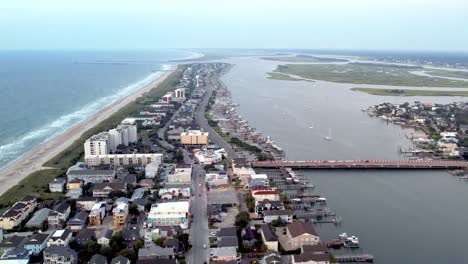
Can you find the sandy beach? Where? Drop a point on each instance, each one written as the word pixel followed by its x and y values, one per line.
pixel 33 160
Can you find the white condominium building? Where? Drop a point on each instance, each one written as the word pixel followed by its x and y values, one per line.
pixel 98 144
pixel 141 159
pixel 107 142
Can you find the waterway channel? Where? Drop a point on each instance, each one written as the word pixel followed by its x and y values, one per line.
pixel 399 216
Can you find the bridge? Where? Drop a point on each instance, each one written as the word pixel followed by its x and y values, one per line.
pixel 363 164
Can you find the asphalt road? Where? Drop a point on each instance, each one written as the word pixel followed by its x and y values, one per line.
pixel 203 123
pixel 199 229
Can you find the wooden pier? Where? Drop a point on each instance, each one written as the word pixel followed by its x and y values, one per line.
pixel 363 164
pixel 355 258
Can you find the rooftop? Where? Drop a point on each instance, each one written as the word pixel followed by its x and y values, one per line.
pixel 300 228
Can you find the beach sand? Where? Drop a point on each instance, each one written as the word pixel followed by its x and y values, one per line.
pixel 33 160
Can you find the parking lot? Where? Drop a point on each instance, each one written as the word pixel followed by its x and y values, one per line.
pixel 223 196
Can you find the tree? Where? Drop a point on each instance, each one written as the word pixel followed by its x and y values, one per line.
pixel 108 252
pixel 90 249
pixel 184 239
pixel 250 201
pixel 117 242
pixel 133 209
pixel 242 219
pixel 160 241
pixel 138 244
pixel 277 222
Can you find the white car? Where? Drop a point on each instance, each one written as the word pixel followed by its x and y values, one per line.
pixel 204 245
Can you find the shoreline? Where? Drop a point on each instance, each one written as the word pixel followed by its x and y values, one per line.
pixel 33 160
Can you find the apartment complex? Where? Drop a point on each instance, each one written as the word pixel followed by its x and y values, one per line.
pixel 194 138
pixel 107 142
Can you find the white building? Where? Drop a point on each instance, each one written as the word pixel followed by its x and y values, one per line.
pixel 141 159
pixel 151 170
pixel 173 193
pixel 210 156
pixel 182 174
pixel 98 144
pixel 61 237
pixel 169 214
pixel 217 178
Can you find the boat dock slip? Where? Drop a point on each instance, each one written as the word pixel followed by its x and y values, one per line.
pixel 363 164
pixel 355 258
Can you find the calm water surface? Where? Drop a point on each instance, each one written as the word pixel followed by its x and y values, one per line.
pixel 399 216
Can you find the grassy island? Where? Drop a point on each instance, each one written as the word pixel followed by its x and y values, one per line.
pixel 404 92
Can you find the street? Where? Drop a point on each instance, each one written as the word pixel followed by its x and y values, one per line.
pixel 199 228
pixel 201 121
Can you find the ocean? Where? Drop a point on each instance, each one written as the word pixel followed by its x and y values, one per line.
pixel 44 93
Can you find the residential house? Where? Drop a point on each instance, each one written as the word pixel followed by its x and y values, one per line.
pixel 74 193
pixel 59 215
pixel 60 255
pixel 57 185
pixel 174 193
pixel 228 242
pixel 77 222
pixel 310 258
pixel 271 257
pixel 156 252
pixel 98 259
pixel 286 216
pixel 131 236
pixel 36 243
pixel 39 219
pixel 269 237
pixel 104 189
pixel 267 205
pixel 137 194
pixel 74 184
pixel 20 210
pixel 60 237
pixel 98 212
pixel 18 255
pixel 227 232
pixel 11 243
pixel 146 184
pixel 104 238
pixel 299 234
pixel 224 254
pixel 86 203
pixel 120 214
pixel 120 260
pixel 84 236
pixel 249 236
pixel 260 195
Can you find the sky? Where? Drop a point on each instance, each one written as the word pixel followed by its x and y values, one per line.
pixel 312 24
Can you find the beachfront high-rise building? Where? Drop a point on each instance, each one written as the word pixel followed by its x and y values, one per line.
pixel 98 144
pixel 123 134
pixel 107 142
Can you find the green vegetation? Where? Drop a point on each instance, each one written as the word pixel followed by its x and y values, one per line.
pixel 36 183
pixel 303 58
pixel 250 202
pixel 444 73
pixel 367 73
pixel 401 92
pixel 281 76
pixel 244 145
pixel 242 219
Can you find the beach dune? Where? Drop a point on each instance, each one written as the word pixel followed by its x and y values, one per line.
pixel 33 160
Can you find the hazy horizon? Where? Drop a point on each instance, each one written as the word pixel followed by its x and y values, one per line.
pixel 398 25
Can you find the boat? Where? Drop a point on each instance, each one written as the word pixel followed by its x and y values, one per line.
pixel 329 137
pixel 284 113
pixel 363 109
pixel 311 127
pixel 321 200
